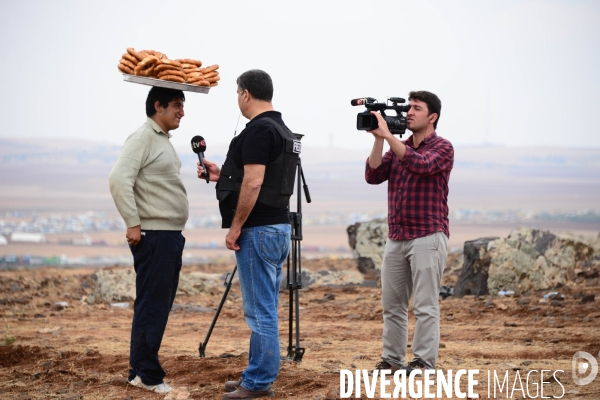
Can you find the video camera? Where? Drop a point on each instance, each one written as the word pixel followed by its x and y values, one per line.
pixel 365 121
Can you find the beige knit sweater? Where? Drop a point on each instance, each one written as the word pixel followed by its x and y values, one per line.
pixel 145 182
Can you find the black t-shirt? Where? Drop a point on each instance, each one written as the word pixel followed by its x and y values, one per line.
pixel 259 143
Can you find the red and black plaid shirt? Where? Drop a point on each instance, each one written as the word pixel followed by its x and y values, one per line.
pixel 417 187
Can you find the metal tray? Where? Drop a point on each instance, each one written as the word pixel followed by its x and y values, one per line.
pixel 165 84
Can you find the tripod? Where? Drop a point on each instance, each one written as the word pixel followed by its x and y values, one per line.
pixel 294 280
pixel 296 352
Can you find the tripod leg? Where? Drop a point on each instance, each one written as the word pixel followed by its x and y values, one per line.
pixel 202 345
pixel 299 351
pixel 291 279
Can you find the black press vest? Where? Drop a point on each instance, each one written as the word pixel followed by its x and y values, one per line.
pixel 278 183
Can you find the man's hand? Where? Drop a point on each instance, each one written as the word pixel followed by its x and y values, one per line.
pixel 251 184
pixel 382 131
pixel 231 238
pixel 134 235
pixel 213 170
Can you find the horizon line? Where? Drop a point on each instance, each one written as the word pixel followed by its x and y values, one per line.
pixel 312 146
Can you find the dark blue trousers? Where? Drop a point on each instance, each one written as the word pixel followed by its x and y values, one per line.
pixel 157 263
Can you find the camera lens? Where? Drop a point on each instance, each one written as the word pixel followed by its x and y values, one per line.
pixel 366 121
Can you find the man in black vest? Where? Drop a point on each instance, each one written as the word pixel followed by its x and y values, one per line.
pixel 253 188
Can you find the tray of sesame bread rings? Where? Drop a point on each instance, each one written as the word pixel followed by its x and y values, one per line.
pixel 153 68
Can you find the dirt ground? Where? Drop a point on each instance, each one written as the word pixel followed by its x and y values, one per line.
pixel 48 351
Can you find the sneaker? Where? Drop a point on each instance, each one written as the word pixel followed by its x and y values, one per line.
pixel 384 365
pixel 414 365
pixel 162 388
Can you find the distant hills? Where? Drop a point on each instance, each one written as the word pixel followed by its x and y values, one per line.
pixel 71 176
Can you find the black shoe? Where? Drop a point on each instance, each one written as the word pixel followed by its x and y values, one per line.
pixel 384 365
pixel 414 365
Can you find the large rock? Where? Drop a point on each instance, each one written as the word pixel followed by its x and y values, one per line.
pixel 517 266
pixel 367 241
pixel 118 284
pixel 198 282
pixel 529 259
pixel 473 278
pixel 331 278
pixel 114 284
pixel 560 249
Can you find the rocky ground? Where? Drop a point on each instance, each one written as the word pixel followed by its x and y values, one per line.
pixel 53 345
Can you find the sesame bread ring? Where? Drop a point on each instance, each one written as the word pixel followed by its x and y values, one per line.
pixel 172 72
pixel 195 78
pixel 210 74
pixel 128 63
pixel 214 84
pixel 135 54
pixel 194 75
pixel 191 70
pixel 125 69
pixel 145 55
pixel 211 68
pixel 155 53
pixel 197 63
pixel 150 60
pixel 170 62
pixel 201 83
pixel 173 78
pixel 146 66
pixel 164 67
pixel 131 58
pixel 213 79
pixel 149 72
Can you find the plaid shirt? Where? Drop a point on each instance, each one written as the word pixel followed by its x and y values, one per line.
pixel 417 187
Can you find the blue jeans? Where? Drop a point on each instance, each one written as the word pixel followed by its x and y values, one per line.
pixel 157 262
pixel 263 250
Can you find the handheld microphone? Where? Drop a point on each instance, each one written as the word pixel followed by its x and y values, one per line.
pixel 362 101
pixel 199 147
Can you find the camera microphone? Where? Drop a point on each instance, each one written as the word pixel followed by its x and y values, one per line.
pixel 199 147
pixel 362 101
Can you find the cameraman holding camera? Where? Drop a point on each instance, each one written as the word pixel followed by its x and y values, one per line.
pixel 417 171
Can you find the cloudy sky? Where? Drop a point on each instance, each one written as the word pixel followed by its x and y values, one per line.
pixel 516 73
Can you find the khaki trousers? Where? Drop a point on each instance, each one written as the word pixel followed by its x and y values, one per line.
pixel 412 266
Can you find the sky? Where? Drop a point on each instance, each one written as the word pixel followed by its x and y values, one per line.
pixel 509 73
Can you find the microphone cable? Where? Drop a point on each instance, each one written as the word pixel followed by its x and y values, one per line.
pixel 236 124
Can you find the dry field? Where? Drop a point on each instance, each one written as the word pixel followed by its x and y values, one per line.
pixel 81 351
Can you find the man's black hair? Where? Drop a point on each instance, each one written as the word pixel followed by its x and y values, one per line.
pixel 434 105
pixel 258 83
pixel 164 96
